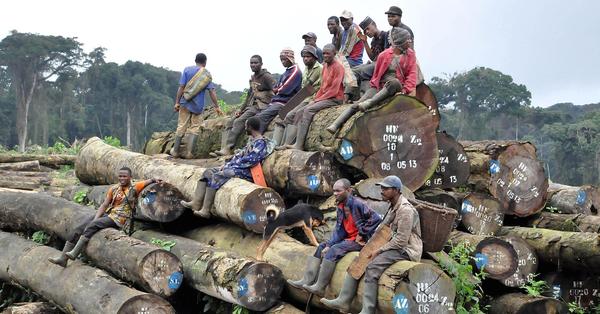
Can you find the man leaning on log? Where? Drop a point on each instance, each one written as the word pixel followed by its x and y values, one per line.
pixel 115 212
pixel 355 225
pixel 405 244
pixel 257 149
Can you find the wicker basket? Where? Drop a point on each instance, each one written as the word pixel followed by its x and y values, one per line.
pixel 436 224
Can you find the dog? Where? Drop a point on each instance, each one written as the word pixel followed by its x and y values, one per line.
pixel 300 215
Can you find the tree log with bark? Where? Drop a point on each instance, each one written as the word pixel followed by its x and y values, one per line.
pixel 510 171
pixel 564 222
pixel 145 265
pixel 572 199
pixel 426 95
pixel 32 165
pixel 31 308
pixel 579 287
pixel 519 303
pixel 52 161
pixel 481 214
pixel 79 288
pixel 453 169
pixel 224 275
pixel 404 285
pixel 238 201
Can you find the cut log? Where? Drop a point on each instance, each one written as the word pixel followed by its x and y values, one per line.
pixel 145 265
pixel 426 95
pixel 371 193
pixel 33 165
pixel 510 171
pixel 28 174
pixel 22 183
pixel 31 308
pixel 238 201
pixel 527 263
pixel 80 288
pixel 565 222
pixel 453 169
pixel 223 275
pixel 578 287
pixel 53 161
pixel 519 303
pixel 405 285
pixel 481 214
pixel 445 261
pixel 284 308
pixel 567 250
pixel 572 199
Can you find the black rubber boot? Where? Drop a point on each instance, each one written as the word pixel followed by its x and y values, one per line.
pixel 344 300
pixel 325 273
pixel 189 146
pixel 278 134
pixel 301 135
pixel 337 124
pixel 81 244
pixel 62 259
pixel 369 303
pixel 175 149
pixel 209 199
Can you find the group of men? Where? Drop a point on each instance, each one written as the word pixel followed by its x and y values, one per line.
pixel 333 75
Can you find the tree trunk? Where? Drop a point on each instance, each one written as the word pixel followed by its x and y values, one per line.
pixel 24 95
pixel 576 287
pixel 31 308
pixel 572 199
pixel 453 169
pixel 510 171
pixel 223 275
pixel 130 259
pixel 79 288
pixel 519 303
pixel 567 250
pixel 426 95
pixel 527 264
pixel 23 183
pixel 238 201
pixel 564 222
pixel 53 161
pixel 481 214
pixel 32 165
pixel 405 285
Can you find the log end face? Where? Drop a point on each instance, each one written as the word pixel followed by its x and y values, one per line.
pixel 497 257
pixel 260 286
pixel 162 272
pixel 148 304
pixel 255 206
pixel 161 202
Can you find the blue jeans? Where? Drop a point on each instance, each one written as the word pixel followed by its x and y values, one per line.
pixel 338 250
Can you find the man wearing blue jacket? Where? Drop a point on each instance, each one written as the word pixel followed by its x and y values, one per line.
pixel 355 225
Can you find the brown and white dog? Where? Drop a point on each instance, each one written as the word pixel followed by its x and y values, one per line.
pixel 301 215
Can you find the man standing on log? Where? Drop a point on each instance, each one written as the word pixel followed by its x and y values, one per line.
pixel 311 76
pixel 330 94
pixel 405 244
pixel 259 96
pixel 115 212
pixel 395 71
pixel 194 82
pixel 355 225
pixel 257 149
pixel 351 46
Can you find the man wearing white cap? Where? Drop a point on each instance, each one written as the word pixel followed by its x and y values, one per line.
pixel 405 244
pixel 351 46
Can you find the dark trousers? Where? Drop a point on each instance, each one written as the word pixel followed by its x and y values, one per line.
pixel 306 113
pixel 381 262
pixel 339 250
pixel 237 125
pixel 267 115
pixel 92 226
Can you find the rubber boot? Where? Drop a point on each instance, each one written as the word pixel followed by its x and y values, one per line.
pixel 196 203
pixel 175 149
pixel 81 243
pixel 189 146
pixel 375 100
pixel 344 300
pixel 209 198
pixel 369 303
pixel 301 135
pixel 310 273
pixel 341 119
pixel 227 142
pixel 325 273
pixel 278 134
pixel 290 134
pixel 62 259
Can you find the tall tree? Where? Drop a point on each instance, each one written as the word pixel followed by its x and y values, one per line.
pixel 32 59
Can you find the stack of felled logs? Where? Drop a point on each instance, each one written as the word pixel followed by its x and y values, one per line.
pixel 30 172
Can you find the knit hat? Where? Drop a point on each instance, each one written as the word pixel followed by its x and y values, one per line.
pixel 398 36
pixel 288 53
pixel 310 49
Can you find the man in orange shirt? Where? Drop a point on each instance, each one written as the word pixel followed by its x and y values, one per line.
pixel 115 212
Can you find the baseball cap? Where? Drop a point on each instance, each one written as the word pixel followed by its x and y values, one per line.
pixel 309 34
pixel 346 14
pixel 391 182
pixel 394 10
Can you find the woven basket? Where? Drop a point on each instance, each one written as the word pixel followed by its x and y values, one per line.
pixel 436 224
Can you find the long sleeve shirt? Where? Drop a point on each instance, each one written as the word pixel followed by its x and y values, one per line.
pixel 404 221
pixel 312 76
pixel 352 47
pixel 332 85
pixel 365 219
pixel 406 72
pixel 261 89
pixel 288 85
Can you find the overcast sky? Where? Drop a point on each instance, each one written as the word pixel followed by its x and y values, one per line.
pixel 551 46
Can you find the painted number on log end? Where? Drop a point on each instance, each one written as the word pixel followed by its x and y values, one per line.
pixel 346 150
pixel 400 303
pixel 481 260
pixel 243 287
pixel 175 280
pixel 313 182
pixel 581 196
pixel 250 218
pixel 494 166
pixel 150 198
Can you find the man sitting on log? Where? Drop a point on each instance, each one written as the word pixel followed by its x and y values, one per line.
pixel 189 102
pixel 310 76
pixel 405 244
pixel 259 96
pixel 257 149
pixel 331 93
pixel 115 212
pixel 395 71
pixel 356 223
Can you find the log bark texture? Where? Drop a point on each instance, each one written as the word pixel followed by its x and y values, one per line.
pixel 132 260
pixel 32 165
pixel 572 199
pixel 519 303
pixel 565 222
pixel 481 214
pixel 53 161
pixel 426 95
pixel 31 308
pixel 405 285
pixel 453 169
pixel 567 250
pixel 224 275
pixel 238 201
pixel 79 288
pixel 510 171
pixel 284 308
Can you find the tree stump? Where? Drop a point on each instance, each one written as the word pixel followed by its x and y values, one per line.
pixel 481 214
pixel 453 169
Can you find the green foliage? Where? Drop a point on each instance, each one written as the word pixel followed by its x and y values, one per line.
pixel 112 141
pixel 227 108
pixel 551 209
pixel 238 309
pixel 467 283
pixel 80 196
pixel 534 287
pixel 575 308
pixel 244 96
pixel 40 237
pixel 165 245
